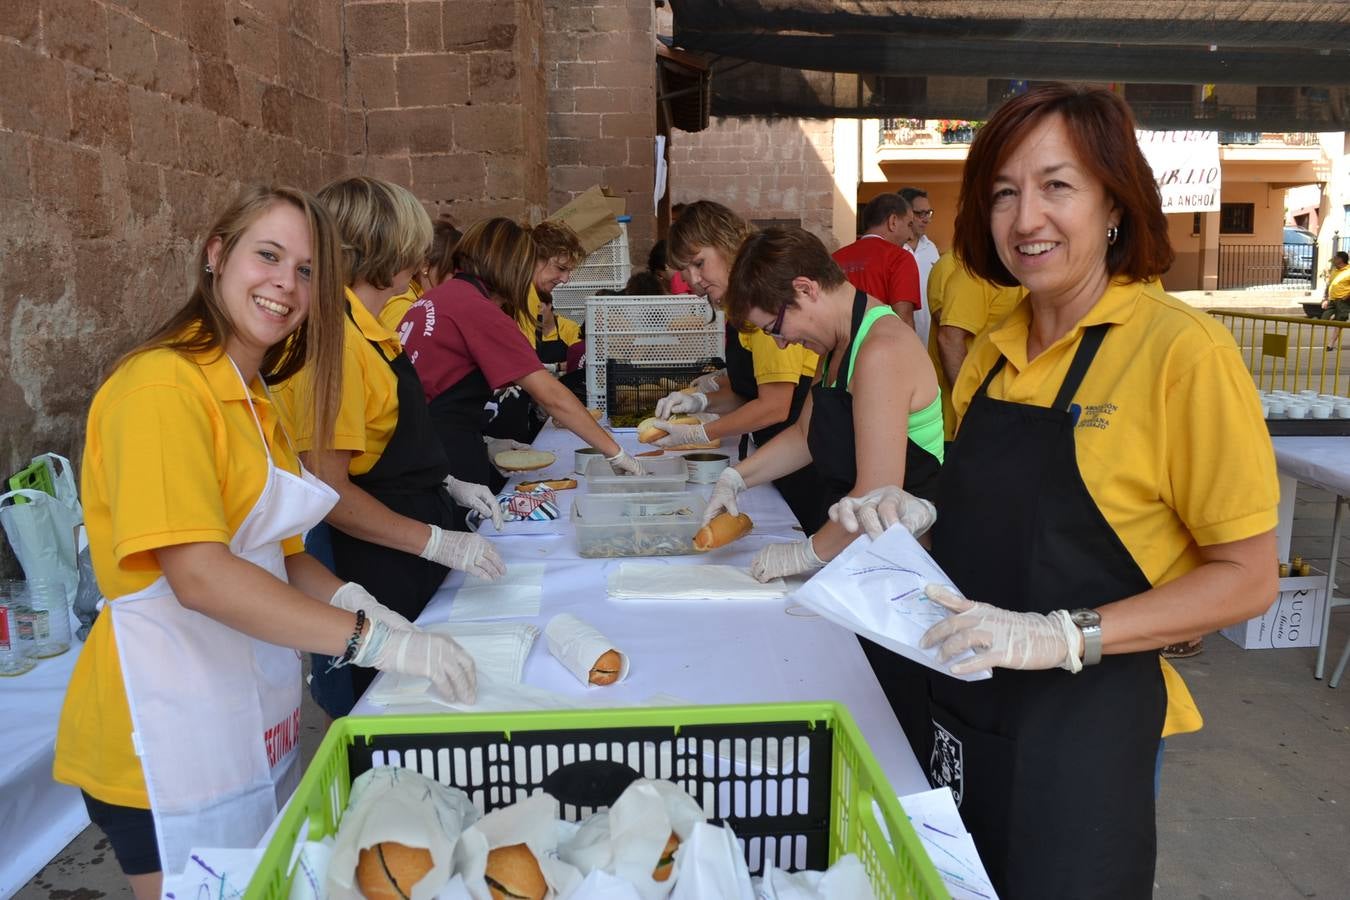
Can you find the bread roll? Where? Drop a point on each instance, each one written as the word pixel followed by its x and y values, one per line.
pixel 523 460
pixel 666 864
pixel 607 668
pixel 388 871
pixel 722 530
pixel 657 452
pixel 648 432
pixel 596 414
pixel 513 872
pixel 563 484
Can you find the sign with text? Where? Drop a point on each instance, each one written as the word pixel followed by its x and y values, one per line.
pixel 1186 167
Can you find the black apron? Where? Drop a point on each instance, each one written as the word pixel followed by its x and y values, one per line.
pixel 549 352
pixel 459 419
pixel 407 479
pixel 830 436
pixel 1053 772
pixel 834 449
pixel 801 490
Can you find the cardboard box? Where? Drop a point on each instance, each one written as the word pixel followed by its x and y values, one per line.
pixel 1293 620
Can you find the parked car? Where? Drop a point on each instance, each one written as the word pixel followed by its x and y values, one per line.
pixel 1300 252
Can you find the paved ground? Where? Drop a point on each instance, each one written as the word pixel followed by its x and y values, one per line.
pixel 1256 805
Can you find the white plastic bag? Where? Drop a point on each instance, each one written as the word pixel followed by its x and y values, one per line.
pixel 41 528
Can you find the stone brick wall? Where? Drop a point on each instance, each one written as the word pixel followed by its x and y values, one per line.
pixel 447 98
pixel 122 128
pixel 600 70
pixel 762 169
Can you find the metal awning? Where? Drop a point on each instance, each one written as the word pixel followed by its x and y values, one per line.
pixel 1283 64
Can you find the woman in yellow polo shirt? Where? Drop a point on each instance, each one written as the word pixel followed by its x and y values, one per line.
pixel 1111 490
pixel 765 384
pixel 435 269
pixel 394 527
pixel 181 721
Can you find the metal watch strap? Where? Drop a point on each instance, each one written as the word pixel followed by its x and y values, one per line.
pixel 1089 623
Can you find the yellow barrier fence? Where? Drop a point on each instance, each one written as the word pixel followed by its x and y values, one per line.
pixel 1285 353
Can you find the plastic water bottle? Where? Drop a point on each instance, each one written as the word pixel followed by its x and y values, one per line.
pixel 13 661
pixel 50 614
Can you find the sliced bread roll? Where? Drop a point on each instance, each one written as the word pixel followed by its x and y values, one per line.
pixel 523 460
pixel 722 530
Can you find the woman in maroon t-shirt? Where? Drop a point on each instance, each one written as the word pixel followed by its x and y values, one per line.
pixel 463 341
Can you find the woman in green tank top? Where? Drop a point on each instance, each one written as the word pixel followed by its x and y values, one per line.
pixel 873 418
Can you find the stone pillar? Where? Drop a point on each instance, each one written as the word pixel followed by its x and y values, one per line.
pixel 447 98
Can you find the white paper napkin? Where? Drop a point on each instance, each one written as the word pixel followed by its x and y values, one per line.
pixel 499 650
pixel 515 595
pixel 845 880
pixel 533 822
pixel 654 581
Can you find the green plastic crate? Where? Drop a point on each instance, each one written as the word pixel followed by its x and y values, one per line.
pixel 37 476
pixel 816 806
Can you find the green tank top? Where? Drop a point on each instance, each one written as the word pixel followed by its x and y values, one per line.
pixel 925 425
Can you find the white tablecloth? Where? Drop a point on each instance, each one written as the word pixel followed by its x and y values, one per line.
pixel 1322 461
pixel 38 817
pixel 702 652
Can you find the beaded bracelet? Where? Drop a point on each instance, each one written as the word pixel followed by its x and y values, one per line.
pixel 353 643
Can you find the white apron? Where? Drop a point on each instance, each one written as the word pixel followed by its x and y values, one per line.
pixel 215 714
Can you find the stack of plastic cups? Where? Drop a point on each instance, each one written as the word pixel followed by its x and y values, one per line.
pixel 13 659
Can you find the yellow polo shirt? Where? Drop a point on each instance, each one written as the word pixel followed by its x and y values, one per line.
pixel 1170 441
pixel 774 364
pixel 970 303
pixel 369 410
pixel 397 306
pixel 172 456
pixel 565 330
pixel 1339 288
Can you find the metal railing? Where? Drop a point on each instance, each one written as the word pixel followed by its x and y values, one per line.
pixel 1285 353
pixel 1291 267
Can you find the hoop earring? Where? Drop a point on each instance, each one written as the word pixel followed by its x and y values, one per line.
pixel 1112 232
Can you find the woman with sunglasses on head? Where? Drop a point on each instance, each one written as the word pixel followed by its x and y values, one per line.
pixel 765 382
pixel 181 722
pixel 873 419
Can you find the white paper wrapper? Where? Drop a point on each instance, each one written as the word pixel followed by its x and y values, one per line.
pixel 395 804
pixel 577 645
pixel 311 870
pixel 845 880
pixel 600 885
pixel 627 840
pixel 711 864
pixel 533 822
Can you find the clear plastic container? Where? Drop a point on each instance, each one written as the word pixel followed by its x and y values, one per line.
pixel 13 659
pixel 614 525
pixel 660 475
pixel 48 617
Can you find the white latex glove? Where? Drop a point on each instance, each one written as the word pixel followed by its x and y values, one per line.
pixel 622 463
pixel 723 499
pixel 1000 637
pixel 878 510
pixel 680 435
pixel 710 383
pixel 680 403
pixel 461 550
pixel 351 597
pixel 412 651
pixel 499 445
pixel 781 560
pixel 476 497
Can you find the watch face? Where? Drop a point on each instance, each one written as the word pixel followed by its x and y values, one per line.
pixel 1086 618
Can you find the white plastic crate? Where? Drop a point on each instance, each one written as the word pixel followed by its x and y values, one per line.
pixel 607 268
pixel 650 331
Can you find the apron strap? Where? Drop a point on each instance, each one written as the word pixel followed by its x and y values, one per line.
pixel 1088 346
pixel 859 311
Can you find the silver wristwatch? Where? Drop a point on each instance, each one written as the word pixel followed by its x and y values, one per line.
pixel 1089 622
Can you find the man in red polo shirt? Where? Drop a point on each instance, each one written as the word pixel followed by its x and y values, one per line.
pixel 878 263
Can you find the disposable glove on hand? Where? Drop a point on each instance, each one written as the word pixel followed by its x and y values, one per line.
pixel 622 463
pixel 710 383
pixel 351 597
pixel 723 499
pixel 464 551
pixel 499 445
pixel 1000 637
pixel 782 560
pixel 680 435
pixel 423 654
pixel 476 497
pixel 878 510
pixel 680 403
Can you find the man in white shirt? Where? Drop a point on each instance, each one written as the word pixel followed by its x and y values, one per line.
pixel 924 250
